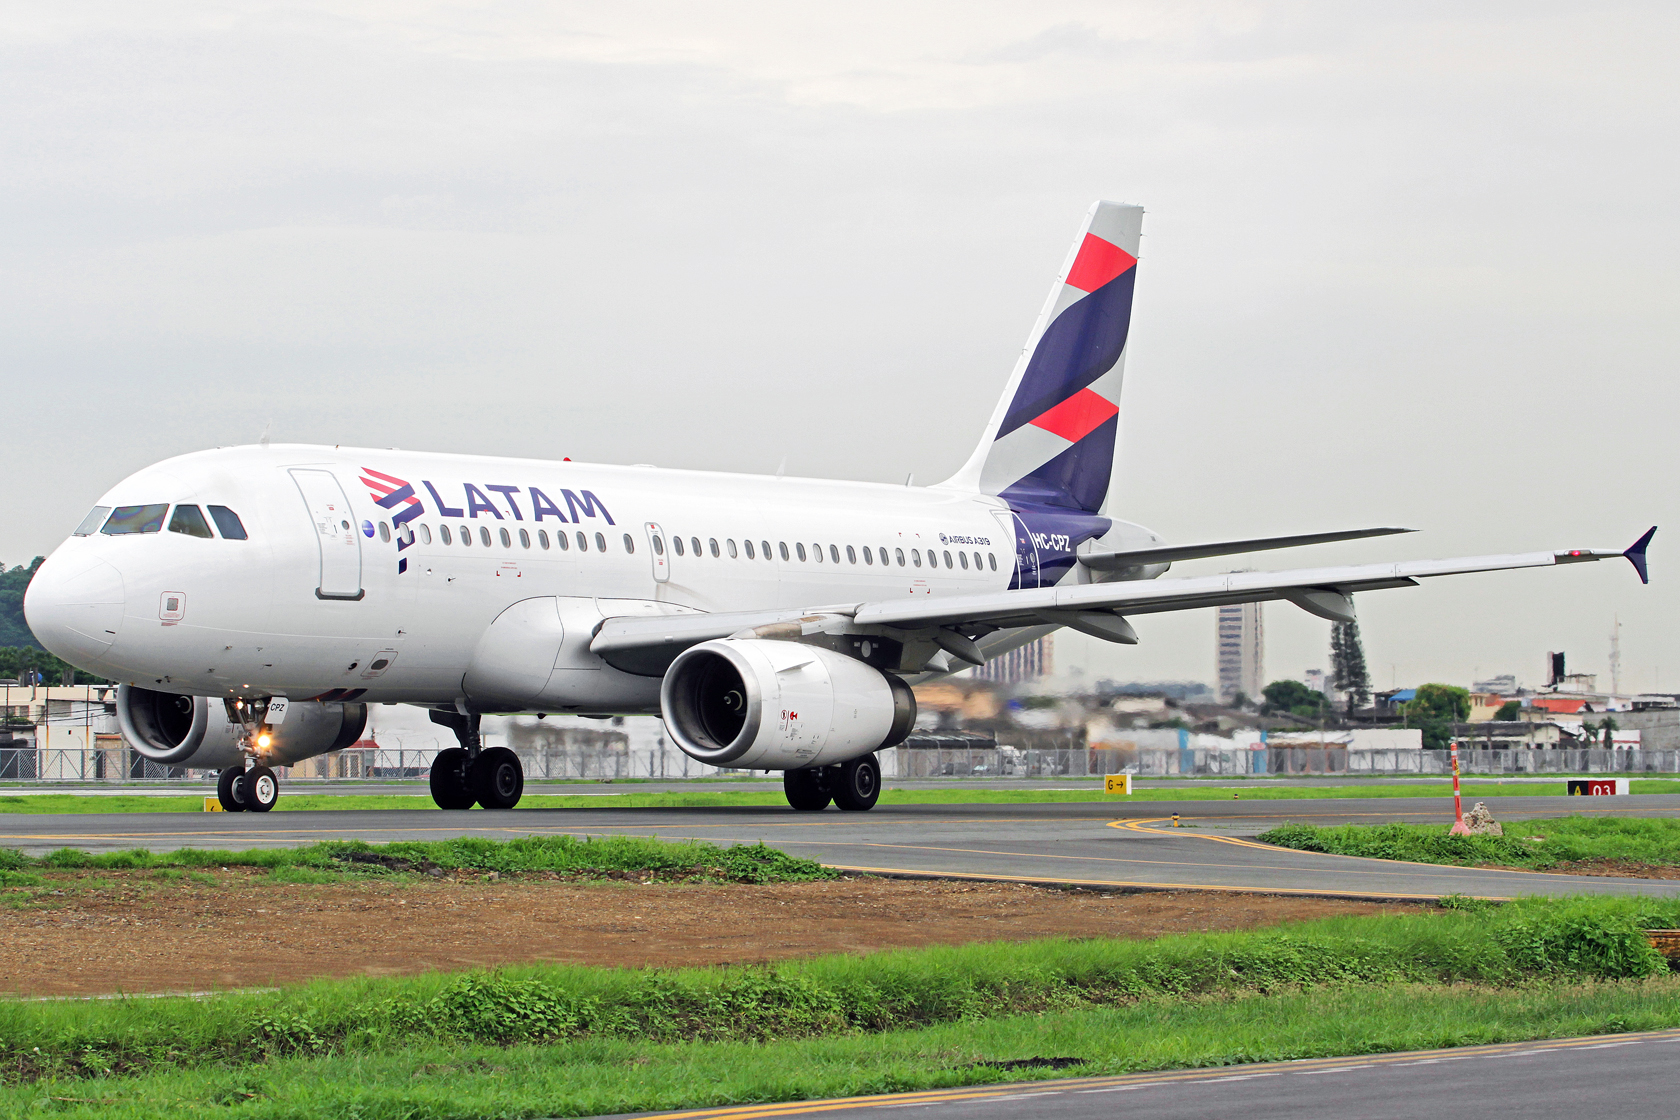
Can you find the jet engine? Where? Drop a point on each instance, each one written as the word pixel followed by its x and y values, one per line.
pixel 197 731
pixel 755 703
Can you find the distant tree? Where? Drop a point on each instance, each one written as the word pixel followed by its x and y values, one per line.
pixel 22 663
pixel 1511 709
pixel 14 631
pixel 1347 664
pixel 1434 710
pixel 1293 698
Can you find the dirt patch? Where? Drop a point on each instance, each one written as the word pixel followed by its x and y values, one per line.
pixel 1618 868
pixel 132 932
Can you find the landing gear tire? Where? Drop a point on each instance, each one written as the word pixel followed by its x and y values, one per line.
pixel 809 791
pixel 497 778
pixel 450 787
pixel 259 789
pixel 227 789
pixel 859 784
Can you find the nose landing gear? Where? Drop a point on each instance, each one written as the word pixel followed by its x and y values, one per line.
pixel 241 790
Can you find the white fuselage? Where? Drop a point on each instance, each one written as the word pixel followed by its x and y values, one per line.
pixel 216 616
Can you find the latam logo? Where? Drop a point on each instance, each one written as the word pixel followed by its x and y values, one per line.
pixel 393 493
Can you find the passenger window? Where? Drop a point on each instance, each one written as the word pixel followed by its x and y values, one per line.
pixel 135 519
pixel 916 557
pixel 933 558
pixel 227 523
pixel 542 539
pixel 189 522
pixel 947 559
pixel 963 556
pixel 694 542
pixel 816 553
pixel 676 543
pixel 583 542
pixel 443 534
pixel 766 545
pixel 748 546
pixel 868 557
pixel 426 534
pixel 784 551
pixel 991 558
pixel 629 544
pixel 730 545
pixel 834 553
pixel 507 538
pixel 600 542
pixel 466 537
pixel 561 539
pixel 900 554
pixel 658 546
pixel 92 522
pixel 801 550
pixel 977 561
pixel 384 533
pixel 715 551
pixel 851 555
pixel 524 539
pixel 484 535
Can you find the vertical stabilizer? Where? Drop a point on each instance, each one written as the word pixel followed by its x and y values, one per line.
pixel 1050 442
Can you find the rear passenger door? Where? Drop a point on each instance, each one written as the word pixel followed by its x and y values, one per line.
pixel 335 532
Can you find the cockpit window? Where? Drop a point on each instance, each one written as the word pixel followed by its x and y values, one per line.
pixel 190 521
pixel 91 523
pixel 228 523
pixel 135 519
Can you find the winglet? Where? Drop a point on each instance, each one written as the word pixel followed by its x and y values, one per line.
pixel 1636 554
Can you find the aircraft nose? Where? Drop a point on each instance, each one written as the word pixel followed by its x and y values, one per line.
pixel 75 607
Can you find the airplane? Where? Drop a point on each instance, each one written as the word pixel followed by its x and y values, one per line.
pixel 251 601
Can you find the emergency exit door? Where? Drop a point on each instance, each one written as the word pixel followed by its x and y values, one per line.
pixel 335 533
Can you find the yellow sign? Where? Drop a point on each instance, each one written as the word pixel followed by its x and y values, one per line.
pixel 212 805
pixel 1118 783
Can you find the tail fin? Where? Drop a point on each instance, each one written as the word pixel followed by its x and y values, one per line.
pixel 1051 440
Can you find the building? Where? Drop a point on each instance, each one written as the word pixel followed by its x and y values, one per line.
pixel 1241 647
pixel 1029 662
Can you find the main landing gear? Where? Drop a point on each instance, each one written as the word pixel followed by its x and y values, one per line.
pixel 853 785
pixel 472 774
pixel 254 790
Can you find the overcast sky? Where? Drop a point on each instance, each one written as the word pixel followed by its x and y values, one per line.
pixel 1403 264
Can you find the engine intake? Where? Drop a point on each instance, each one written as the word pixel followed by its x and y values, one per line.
pixel 196 730
pixel 754 703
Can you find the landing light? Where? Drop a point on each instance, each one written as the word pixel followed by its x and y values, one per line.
pixel 263 740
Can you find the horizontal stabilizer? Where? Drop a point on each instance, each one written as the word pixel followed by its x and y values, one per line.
pixel 1169 554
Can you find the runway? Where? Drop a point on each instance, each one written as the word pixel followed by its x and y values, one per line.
pixel 1629 1076
pixel 1103 845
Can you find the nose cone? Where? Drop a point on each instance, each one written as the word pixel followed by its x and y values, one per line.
pixel 75 607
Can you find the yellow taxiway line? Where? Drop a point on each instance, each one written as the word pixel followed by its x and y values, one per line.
pixel 1140 1080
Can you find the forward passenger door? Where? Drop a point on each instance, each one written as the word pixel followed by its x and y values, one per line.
pixel 335 533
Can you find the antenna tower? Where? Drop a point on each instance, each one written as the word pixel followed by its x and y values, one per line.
pixel 1616 656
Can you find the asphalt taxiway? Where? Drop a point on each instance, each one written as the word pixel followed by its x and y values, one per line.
pixel 1628 1076
pixel 1109 845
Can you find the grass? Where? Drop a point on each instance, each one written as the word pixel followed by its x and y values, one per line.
pixel 593 1076
pixel 708 798
pixel 1507 947
pixel 587 857
pixel 1539 845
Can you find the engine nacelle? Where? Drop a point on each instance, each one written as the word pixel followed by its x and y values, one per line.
pixel 197 731
pixel 754 703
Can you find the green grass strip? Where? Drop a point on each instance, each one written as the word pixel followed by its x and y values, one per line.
pixel 712 798
pixel 570 855
pixel 1511 945
pixel 1536 844
pixel 580 1077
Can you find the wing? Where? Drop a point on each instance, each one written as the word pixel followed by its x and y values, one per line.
pixel 648 645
